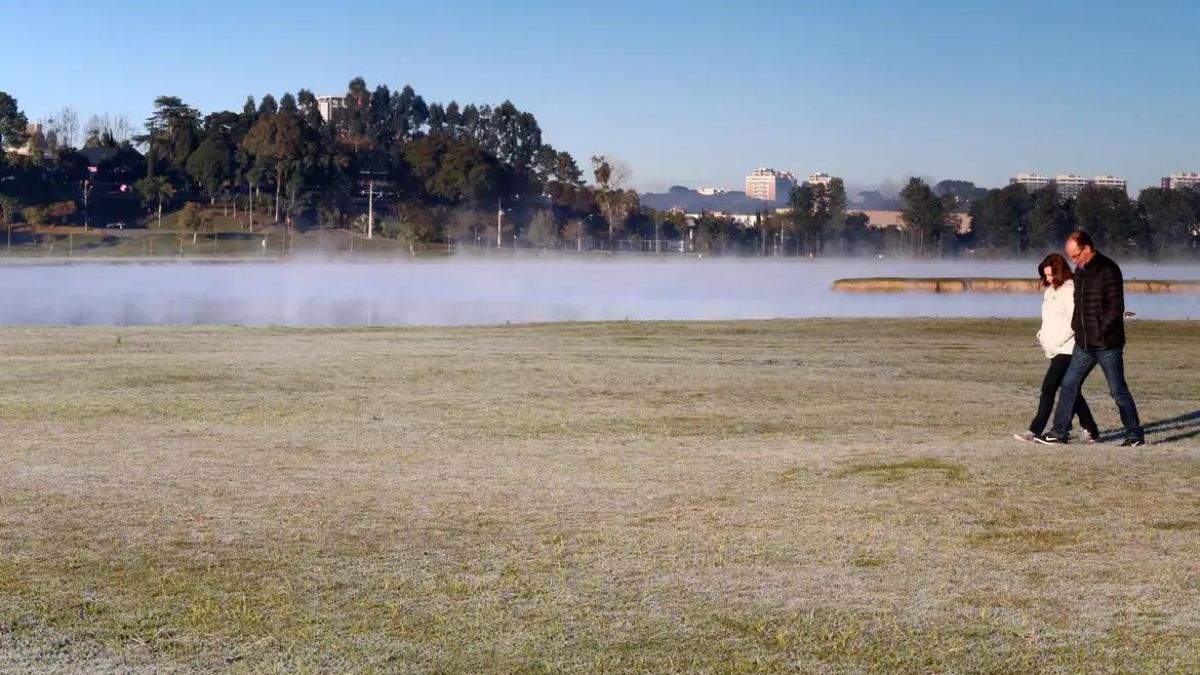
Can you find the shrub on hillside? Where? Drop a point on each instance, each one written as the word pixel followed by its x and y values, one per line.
pixel 35 215
pixel 61 212
pixel 194 218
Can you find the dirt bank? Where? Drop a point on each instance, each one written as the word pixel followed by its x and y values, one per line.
pixel 989 285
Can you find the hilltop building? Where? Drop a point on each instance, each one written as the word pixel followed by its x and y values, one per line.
pixel 327 105
pixel 35 142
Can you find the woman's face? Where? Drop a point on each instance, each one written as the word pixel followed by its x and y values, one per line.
pixel 1048 274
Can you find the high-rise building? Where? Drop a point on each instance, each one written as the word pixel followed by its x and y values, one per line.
pixel 1113 182
pixel 769 185
pixel 1182 179
pixel 1070 184
pixel 1032 181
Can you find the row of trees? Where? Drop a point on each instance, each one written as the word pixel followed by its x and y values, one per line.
pixel 818 220
pixel 317 169
pixel 432 169
pixel 1160 222
pixel 1009 221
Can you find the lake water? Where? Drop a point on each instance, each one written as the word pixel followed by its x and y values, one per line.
pixel 481 291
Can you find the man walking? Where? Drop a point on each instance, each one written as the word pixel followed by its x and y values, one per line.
pixel 1099 324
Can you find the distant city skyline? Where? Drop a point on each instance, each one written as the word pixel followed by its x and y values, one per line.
pixel 681 91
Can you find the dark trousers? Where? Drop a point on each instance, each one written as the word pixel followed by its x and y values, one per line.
pixel 1112 362
pixel 1050 386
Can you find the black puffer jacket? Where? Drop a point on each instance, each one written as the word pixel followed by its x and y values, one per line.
pixel 1099 319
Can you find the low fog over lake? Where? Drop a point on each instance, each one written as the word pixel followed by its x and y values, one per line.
pixel 481 291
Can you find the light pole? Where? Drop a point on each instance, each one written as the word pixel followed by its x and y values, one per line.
pixel 86 185
pixel 370 201
pixel 370 208
pixel 579 234
pixel 250 211
pixel 500 222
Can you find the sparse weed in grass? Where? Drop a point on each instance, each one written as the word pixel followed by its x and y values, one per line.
pixel 869 559
pixel 789 476
pixel 1176 525
pixel 1026 540
pixel 894 471
pixel 985 599
pixel 1010 517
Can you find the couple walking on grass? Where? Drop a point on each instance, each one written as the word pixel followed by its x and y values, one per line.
pixel 1083 325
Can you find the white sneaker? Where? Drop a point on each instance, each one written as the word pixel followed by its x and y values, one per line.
pixel 1088 438
pixel 1025 436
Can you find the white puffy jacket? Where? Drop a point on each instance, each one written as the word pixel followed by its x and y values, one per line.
pixel 1057 336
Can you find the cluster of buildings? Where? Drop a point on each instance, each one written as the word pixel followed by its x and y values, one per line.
pixel 770 185
pixel 1070 184
pixel 1067 184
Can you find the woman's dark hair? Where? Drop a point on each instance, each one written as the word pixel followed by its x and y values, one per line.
pixel 1060 271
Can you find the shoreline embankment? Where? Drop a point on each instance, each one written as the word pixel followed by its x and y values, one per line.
pixel 990 285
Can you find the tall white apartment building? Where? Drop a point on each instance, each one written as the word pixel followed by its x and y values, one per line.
pixel 1182 179
pixel 1070 184
pixel 1032 181
pixel 769 185
pixel 1113 182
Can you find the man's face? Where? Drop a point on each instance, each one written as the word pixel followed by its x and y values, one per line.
pixel 1078 255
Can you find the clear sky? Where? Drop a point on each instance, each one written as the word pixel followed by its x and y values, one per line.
pixel 692 92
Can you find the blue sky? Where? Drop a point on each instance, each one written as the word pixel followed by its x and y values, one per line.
pixel 692 93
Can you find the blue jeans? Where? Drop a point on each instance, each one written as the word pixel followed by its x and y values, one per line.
pixel 1112 362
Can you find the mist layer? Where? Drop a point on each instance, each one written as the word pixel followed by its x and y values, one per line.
pixel 466 292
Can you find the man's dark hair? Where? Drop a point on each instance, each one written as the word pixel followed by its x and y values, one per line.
pixel 1082 239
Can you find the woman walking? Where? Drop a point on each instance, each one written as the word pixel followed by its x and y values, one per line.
pixel 1058 341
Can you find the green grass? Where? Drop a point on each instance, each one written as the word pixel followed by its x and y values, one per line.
pixel 750 497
